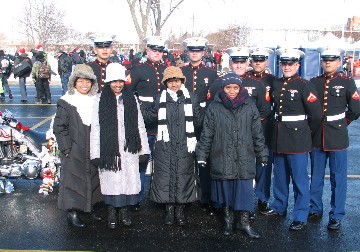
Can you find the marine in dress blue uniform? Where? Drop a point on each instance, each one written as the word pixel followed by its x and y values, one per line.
pixel 259 62
pixel 199 78
pixel 339 98
pixel 295 103
pixel 103 49
pixel 145 81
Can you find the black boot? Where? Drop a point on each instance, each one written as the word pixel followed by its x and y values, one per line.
pixel 243 224
pixel 170 214
pixel 95 212
pixel 111 217
pixel 229 220
pixel 124 216
pixel 179 213
pixel 74 218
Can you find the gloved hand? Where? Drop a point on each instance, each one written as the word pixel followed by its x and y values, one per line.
pixel 202 164
pixel 143 158
pixel 262 160
pixel 95 162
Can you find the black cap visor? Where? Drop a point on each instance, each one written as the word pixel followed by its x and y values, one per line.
pixel 258 58
pixel 239 58
pixel 289 60
pixel 103 44
pixel 330 58
pixel 196 48
pixel 156 47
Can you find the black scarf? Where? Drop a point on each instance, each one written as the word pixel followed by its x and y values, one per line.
pixel 237 102
pixel 110 158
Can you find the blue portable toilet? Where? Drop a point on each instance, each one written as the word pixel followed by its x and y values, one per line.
pixel 310 65
pixel 272 61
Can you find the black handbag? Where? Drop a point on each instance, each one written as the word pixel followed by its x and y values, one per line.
pixel 21 68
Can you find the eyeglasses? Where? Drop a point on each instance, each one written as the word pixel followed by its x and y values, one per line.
pixel 81 82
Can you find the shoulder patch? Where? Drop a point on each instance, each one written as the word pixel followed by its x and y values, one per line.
pixel 311 97
pixel 355 96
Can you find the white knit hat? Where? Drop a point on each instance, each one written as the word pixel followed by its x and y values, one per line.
pixel 114 72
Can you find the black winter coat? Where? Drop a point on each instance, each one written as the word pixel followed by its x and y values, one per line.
pixel 79 179
pixel 174 169
pixel 231 139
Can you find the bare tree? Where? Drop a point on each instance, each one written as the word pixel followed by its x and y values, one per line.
pixel 234 35
pixel 43 23
pixel 151 14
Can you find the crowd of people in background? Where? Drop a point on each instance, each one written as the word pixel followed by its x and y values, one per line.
pixel 24 62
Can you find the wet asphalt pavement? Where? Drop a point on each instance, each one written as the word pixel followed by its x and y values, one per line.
pixel 29 220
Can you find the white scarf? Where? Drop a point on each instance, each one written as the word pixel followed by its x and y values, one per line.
pixel 84 105
pixel 163 131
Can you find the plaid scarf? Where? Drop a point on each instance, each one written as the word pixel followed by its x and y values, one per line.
pixel 237 102
pixel 163 131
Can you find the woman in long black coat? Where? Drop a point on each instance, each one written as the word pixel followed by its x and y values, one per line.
pixel 79 179
pixel 177 112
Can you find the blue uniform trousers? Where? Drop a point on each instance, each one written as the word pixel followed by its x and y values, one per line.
pixel 263 178
pixel 338 181
pixel 143 167
pixel 294 166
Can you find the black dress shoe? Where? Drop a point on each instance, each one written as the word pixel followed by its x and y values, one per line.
pixel 314 216
pixel 271 212
pixel 334 224
pixel 297 225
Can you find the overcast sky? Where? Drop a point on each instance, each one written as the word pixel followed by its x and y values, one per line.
pixel 113 16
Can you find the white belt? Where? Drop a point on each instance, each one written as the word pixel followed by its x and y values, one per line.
pixel 290 118
pixel 146 98
pixel 335 117
pixel 203 104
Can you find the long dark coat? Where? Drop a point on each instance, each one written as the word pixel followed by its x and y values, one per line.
pixel 174 169
pixel 232 139
pixel 79 179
